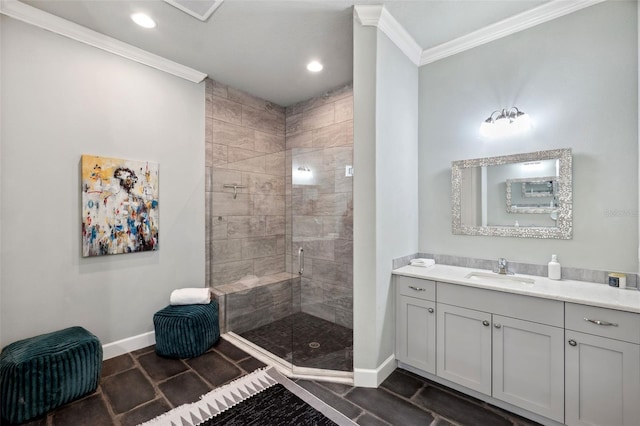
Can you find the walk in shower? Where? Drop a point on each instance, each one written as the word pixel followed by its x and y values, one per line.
pixel 279 205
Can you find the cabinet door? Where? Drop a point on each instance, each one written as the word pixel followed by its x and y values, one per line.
pixel 528 365
pixel 416 333
pixel 602 381
pixel 464 347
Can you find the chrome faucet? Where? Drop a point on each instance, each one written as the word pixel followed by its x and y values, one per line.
pixel 502 266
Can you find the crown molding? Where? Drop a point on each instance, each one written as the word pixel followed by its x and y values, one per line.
pixel 396 32
pixel 539 15
pixel 55 24
pixel 368 15
pixel 378 16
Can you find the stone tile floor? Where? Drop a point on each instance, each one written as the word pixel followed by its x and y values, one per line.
pixel 306 341
pixel 138 386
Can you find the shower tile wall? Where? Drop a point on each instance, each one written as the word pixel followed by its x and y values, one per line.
pixel 245 145
pixel 319 142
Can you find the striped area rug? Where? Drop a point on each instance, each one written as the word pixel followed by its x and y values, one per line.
pixel 263 397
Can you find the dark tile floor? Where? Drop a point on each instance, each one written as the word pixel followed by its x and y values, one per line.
pixel 138 386
pixel 306 341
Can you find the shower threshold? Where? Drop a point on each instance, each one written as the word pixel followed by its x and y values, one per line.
pixel 285 367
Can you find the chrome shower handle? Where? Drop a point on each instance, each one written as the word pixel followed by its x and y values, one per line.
pixel 300 261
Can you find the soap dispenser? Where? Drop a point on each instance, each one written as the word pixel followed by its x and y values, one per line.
pixel 554 268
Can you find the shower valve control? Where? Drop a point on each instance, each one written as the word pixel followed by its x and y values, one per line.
pixel 348 171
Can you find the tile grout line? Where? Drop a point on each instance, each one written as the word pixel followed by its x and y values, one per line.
pixel 106 399
pixel 478 403
pixel 154 383
pixel 364 410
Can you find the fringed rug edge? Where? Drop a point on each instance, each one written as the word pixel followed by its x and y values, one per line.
pixel 235 392
pixel 216 401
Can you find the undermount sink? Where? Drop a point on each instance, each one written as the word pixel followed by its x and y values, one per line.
pixel 490 277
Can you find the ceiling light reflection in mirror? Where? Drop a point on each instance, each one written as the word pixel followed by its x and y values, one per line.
pixel 303 175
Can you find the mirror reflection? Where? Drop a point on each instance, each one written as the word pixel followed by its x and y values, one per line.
pixel 517 195
pixel 532 195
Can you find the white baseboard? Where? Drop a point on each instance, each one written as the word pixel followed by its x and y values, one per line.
pixel 121 347
pixel 372 378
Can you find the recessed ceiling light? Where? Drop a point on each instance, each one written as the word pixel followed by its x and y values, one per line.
pixel 314 66
pixel 143 20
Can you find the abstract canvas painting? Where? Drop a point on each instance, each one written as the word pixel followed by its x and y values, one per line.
pixel 119 206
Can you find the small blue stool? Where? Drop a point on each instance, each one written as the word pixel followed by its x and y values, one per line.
pixel 44 372
pixel 186 331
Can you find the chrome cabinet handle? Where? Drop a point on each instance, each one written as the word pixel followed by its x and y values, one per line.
pixel 572 342
pixel 603 323
pixel 497 325
pixel 430 310
pixel 417 288
pixel 485 323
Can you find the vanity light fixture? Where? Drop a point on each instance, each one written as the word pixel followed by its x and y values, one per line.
pixel 505 122
pixel 314 66
pixel 143 20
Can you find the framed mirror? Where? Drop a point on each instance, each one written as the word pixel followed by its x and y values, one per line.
pixel 521 195
pixel 532 195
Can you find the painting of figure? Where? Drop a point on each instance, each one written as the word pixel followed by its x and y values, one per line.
pixel 119 206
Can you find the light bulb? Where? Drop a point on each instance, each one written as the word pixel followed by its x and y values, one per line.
pixel 521 123
pixel 143 20
pixel 503 126
pixel 314 66
pixel 485 129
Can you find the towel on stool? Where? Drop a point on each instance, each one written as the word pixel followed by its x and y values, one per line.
pixel 190 296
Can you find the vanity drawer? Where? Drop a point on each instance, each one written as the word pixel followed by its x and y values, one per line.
pixel 416 287
pixel 626 328
pixel 543 311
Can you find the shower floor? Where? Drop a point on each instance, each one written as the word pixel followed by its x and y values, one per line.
pixel 317 343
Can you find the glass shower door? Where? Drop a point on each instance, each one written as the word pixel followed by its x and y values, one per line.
pixel 320 210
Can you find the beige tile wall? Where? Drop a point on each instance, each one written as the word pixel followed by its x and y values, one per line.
pixel 255 143
pixel 245 145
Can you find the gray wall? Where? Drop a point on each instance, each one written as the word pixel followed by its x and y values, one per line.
pixel 365 329
pixel 396 172
pixel 1 179
pixel 577 77
pixel 62 99
pixel 385 194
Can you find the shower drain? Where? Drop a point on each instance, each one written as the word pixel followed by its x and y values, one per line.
pixel 314 345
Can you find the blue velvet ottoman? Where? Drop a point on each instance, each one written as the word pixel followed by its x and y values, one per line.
pixel 44 372
pixel 186 331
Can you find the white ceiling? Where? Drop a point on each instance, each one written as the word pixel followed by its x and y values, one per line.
pixel 263 46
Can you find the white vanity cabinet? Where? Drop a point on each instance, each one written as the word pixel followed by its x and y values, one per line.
pixel 515 361
pixel 602 367
pixel 528 365
pixel 507 346
pixel 557 352
pixel 464 347
pixel 416 323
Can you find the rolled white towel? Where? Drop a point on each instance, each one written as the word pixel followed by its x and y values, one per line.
pixel 424 263
pixel 190 296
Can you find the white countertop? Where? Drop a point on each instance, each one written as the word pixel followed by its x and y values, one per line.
pixel 581 292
